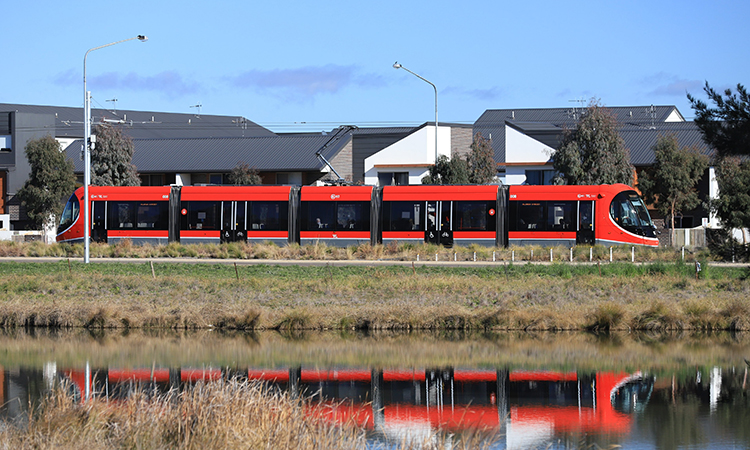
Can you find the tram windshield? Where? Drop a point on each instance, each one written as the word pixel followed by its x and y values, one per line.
pixel 628 211
pixel 69 215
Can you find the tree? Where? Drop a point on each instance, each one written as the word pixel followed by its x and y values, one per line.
pixel 448 171
pixel 733 205
pixel 50 183
pixel 670 184
pixel 593 153
pixel 481 161
pixel 726 126
pixel 111 158
pixel 243 175
pixel 726 129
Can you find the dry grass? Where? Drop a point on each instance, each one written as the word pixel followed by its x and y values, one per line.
pixel 662 352
pixel 259 297
pixel 217 415
pixel 320 251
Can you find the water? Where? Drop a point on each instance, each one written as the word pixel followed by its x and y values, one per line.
pixel 513 390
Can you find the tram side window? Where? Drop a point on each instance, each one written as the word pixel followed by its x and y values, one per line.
pixel 530 216
pixel 122 215
pixel 352 216
pixel 269 216
pixel 137 215
pixel 403 216
pixel 560 216
pixel 473 216
pixel 201 215
pixel 318 216
pixel 149 215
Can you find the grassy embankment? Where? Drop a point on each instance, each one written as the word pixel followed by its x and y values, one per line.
pixel 662 353
pixel 618 296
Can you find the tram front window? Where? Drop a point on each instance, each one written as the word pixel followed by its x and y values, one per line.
pixel 629 212
pixel 69 215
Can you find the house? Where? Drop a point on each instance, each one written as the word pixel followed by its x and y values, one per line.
pixel 21 123
pixel 524 140
pixel 409 159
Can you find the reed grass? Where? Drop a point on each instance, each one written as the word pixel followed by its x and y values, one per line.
pixel 261 297
pixel 657 352
pixel 226 414
pixel 365 251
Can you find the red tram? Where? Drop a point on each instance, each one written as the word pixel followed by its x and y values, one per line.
pixel 350 215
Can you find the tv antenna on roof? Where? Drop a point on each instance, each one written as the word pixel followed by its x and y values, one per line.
pixel 574 113
pixel 199 106
pixel 114 105
pixel 651 111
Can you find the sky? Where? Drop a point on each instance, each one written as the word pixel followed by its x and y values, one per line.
pixel 312 66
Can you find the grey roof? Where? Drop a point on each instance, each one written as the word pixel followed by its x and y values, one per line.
pixel 547 125
pixel 569 116
pixel 357 131
pixel 640 140
pixel 146 124
pixel 275 153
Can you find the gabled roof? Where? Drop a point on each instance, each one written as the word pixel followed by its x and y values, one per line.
pixel 274 153
pixel 548 125
pixel 562 117
pixel 640 140
pixel 146 124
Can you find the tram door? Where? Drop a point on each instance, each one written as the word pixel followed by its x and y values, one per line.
pixel 98 222
pixel 233 224
pixel 438 223
pixel 585 234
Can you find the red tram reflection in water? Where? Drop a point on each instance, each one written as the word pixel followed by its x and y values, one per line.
pixel 351 215
pixel 518 403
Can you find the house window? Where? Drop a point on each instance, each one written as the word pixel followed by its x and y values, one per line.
pixel 540 177
pixel 393 178
pixel 289 178
pixel 207 178
pixel 5 144
pixel 155 179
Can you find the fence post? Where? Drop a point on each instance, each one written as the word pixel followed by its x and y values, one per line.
pixel 551 259
pixel 591 254
pixel 632 254
pixel 512 256
pixel 571 254
pixel 493 255
pixel 610 254
pixel 475 256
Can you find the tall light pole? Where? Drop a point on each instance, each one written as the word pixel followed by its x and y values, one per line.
pixel 396 65
pixel 87 148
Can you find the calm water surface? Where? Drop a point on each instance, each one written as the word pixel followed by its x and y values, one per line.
pixel 514 390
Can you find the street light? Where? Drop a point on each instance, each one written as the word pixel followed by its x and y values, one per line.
pixel 87 147
pixel 396 65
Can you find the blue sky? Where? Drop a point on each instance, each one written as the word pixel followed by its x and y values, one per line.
pixel 297 65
